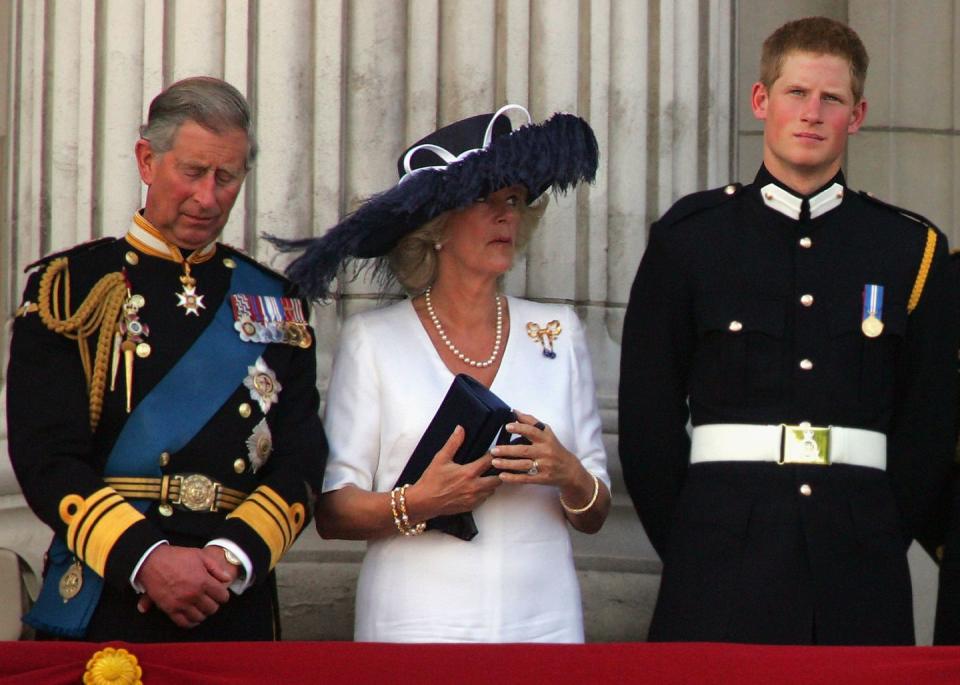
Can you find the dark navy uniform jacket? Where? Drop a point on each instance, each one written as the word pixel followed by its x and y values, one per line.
pixel 723 256
pixel 55 455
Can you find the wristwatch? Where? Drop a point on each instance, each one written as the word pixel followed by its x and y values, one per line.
pixel 234 560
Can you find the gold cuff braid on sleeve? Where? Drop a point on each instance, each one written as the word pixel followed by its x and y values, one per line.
pixel 99 311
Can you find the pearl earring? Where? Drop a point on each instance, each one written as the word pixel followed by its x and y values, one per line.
pixel 438 246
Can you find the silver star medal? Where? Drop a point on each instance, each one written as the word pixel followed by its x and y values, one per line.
pixel 259 445
pixel 189 300
pixel 263 384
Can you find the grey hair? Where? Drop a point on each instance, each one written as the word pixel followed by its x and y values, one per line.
pixel 413 261
pixel 210 102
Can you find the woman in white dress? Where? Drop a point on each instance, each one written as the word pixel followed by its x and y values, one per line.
pixel 447 232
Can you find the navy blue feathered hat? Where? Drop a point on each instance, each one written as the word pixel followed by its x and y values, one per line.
pixel 449 169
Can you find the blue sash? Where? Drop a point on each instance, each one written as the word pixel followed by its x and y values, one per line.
pixel 171 414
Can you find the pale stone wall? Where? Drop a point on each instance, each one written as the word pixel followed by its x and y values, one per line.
pixel 340 86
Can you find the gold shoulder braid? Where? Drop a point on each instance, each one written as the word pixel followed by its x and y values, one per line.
pixel 925 261
pixel 100 310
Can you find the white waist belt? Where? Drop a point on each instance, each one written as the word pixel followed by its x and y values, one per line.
pixel 785 444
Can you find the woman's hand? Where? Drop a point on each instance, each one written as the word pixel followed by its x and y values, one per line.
pixel 447 487
pixel 545 461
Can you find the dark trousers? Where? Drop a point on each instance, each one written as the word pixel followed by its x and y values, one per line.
pixel 752 559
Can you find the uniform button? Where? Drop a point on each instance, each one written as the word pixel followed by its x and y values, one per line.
pixel 806 300
pixel 244 410
pixel 165 509
pixel 239 466
pixel 229 263
pixel 805 242
pixel 806 364
pixel 806 490
pixel 132 258
pixel 164 458
pixel 735 326
pixel 144 350
pixel 730 189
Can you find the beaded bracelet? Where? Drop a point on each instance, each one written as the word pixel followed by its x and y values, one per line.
pixel 593 500
pixel 398 507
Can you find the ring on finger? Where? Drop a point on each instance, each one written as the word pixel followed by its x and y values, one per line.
pixel 535 469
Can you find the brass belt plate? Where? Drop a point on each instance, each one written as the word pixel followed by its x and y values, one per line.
pixel 805 444
pixel 197 492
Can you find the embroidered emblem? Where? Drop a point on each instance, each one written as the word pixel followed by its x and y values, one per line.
pixel 259 445
pixel 545 335
pixel 263 384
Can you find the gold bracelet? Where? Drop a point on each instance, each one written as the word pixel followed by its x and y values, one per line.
pixel 394 509
pixel 398 507
pixel 593 500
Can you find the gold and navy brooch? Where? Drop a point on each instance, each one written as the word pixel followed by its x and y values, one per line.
pixel 545 335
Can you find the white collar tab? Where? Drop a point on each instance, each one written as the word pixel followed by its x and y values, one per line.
pixel 790 205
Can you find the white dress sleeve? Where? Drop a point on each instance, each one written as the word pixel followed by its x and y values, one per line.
pixel 352 416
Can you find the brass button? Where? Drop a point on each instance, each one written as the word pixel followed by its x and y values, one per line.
pixel 806 490
pixel 735 326
pixel 138 301
pixel 132 258
pixel 239 466
pixel 229 263
pixel 244 410
pixel 806 364
pixel 164 458
pixel 143 350
pixel 806 300
pixel 730 189
pixel 165 509
pixel 805 242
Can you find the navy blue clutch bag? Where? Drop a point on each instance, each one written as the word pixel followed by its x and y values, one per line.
pixel 482 414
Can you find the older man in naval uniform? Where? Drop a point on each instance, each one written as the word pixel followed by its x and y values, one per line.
pixel 803 328
pixel 162 408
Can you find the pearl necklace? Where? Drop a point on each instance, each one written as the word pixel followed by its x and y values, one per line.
pixel 453 348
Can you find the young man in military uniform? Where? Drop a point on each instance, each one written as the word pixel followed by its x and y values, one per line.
pixel 802 328
pixel 162 406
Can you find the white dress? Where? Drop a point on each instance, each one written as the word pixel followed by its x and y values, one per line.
pixel 515 581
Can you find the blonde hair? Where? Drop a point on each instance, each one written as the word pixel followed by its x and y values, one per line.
pixel 413 261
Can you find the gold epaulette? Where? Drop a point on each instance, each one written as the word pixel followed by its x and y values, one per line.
pixel 924 270
pixel 100 311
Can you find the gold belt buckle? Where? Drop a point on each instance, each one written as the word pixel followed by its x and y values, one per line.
pixel 804 444
pixel 197 492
